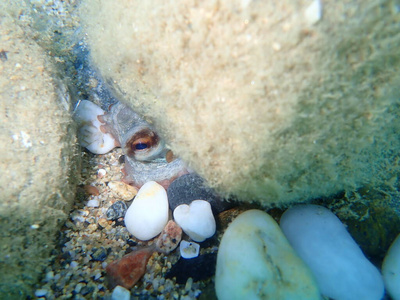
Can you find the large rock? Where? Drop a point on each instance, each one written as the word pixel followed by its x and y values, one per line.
pixel 37 146
pixel 255 261
pixel 262 98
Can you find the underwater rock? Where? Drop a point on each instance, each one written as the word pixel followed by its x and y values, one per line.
pixel 255 261
pixel 129 269
pixel 122 190
pixel 198 268
pixel 316 112
pixel 169 238
pixel 148 213
pixel 38 153
pixel 116 210
pixel 196 220
pixel 189 187
pixel 391 269
pixel 337 262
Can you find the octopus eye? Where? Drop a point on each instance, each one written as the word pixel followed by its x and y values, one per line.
pixel 143 145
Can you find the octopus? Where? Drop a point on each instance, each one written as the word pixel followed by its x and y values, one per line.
pixel 147 158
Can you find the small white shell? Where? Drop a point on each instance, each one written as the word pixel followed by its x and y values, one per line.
pixel 189 249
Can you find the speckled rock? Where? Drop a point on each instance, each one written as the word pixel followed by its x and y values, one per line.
pixel 189 187
pixel 169 238
pixel 255 261
pixel 116 210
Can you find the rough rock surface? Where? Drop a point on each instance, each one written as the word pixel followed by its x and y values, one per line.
pixel 257 99
pixel 37 145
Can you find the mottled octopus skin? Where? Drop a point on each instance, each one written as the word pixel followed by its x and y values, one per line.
pixel 146 156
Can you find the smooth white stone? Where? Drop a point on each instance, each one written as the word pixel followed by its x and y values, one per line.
pixel 196 220
pixel 148 213
pixel 41 292
pixel 89 134
pixel 120 293
pixel 391 269
pixel 313 12
pixel 93 203
pixel 189 249
pixel 255 261
pixel 339 266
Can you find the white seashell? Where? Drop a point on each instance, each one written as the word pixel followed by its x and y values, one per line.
pixel 89 133
pixel 391 269
pixel 196 220
pixel 148 213
pixel 189 249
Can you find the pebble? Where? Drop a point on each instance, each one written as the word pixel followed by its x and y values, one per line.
pixel 255 261
pixel 130 268
pixel 198 268
pixel 196 220
pixel 41 293
pixel 122 190
pixel 148 213
pixel 101 173
pixel 169 238
pixel 120 293
pixel 91 190
pixel 117 210
pixel 391 269
pixel 189 187
pixel 189 249
pixel 99 254
pixel 339 266
pixel 93 203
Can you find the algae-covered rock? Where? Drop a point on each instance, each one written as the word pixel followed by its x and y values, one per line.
pixel 261 98
pixel 262 103
pixel 37 147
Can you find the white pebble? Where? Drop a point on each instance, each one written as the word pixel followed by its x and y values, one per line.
pixel 339 266
pixel 391 269
pixel 93 203
pixel 148 213
pixel 313 12
pixel 120 293
pixel 196 220
pixel 189 249
pixel 40 292
pixel 101 173
pixel 255 261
